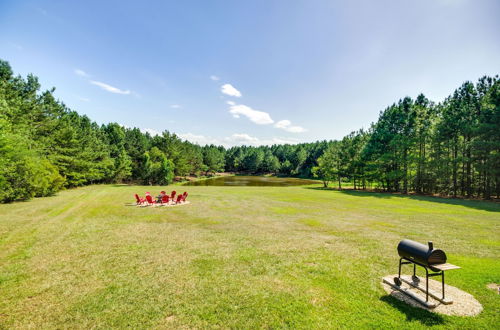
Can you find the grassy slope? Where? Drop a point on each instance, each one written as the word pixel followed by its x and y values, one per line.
pixel 234 257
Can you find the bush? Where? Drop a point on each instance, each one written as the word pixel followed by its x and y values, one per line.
pixel 24 173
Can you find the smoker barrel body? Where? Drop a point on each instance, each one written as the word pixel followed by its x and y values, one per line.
pixel 420 253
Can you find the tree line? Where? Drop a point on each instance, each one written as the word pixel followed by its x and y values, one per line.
pixel 46 147
pixel 450 148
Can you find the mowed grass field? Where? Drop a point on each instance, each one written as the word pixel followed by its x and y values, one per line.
pixel 235 257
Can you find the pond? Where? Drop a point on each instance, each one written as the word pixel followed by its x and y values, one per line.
pixel 253 181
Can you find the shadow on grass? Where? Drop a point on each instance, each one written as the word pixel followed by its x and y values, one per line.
pixel 413 313
pixel 131 204
pixel 122 185
pixel 475 204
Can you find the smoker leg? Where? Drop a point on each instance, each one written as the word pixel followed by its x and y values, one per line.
pixel 426 285
pixel 442 282
pixel 397 280
pixel 414 277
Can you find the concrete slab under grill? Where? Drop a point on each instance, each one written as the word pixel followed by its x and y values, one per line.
pixel 464 304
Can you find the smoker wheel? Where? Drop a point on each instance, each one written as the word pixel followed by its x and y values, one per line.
pixel 397 281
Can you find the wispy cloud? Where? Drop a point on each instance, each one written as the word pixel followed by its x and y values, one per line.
pixel 228 89
pixel 84 99
pixel 256 116
pixel 287 126
pixel 104 86
pixel 175 106
pixel 214 78
pixel 17 46
pixel 109 88
pixel 81 73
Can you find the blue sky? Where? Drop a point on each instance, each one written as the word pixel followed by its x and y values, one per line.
pixel 253 72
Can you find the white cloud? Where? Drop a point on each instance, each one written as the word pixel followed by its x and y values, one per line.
pixel 283 141
pixel 236 139
pixel 256 116
pixel 295 129
pixel 199 139
pixel 81 73
pixel 245 139
pixel 175 106
pixel 287 126
pixel 151 131
pixel 109 88
pixel 214 78
pixel 228 89
pixel 242 137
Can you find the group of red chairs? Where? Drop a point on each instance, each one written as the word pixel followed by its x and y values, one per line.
pixel 162 199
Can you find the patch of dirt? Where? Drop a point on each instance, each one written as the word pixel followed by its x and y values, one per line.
pixel 464 304
pixel 170 318
pixel 494 286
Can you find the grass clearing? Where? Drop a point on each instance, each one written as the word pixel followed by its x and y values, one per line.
pixel 241 257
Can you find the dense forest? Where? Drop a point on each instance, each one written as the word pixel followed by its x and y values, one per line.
pixel 449 148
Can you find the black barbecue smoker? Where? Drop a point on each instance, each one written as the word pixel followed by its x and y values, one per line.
pixel 434 263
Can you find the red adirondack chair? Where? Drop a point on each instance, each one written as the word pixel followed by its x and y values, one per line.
pixel 179 199
pixel 184 196
pixel 139 200
pixel 150 200
pixel 165 199
pixel 172 195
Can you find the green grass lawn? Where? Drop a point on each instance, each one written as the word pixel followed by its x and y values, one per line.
pixel 236 257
